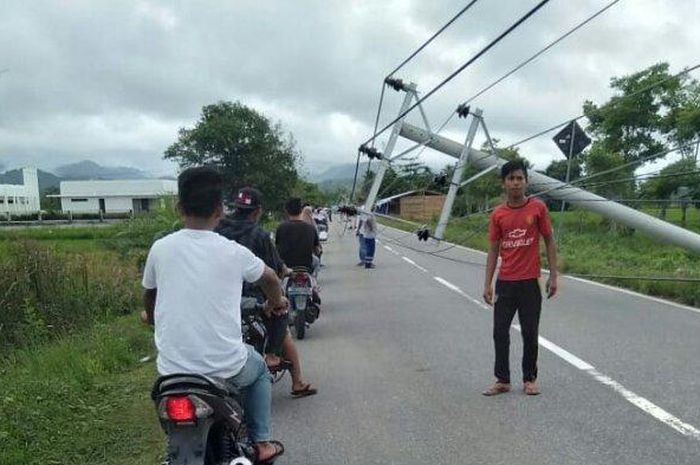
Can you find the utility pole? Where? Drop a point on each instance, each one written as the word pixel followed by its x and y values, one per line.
pixel 457 176
pixel 559 190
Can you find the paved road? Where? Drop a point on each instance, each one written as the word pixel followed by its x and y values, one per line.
pixel 400 358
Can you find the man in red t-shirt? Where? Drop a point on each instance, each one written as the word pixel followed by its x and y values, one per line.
pixel 514 234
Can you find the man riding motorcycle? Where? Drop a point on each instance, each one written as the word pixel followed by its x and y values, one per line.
pixel 192 281
pixel 297 239
pixel 243 228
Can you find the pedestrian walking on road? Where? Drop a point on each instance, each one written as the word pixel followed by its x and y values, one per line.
pixel 369 234
pixel 515 228
pixel 361 239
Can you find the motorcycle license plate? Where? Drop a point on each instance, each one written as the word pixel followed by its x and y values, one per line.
pixel 300 290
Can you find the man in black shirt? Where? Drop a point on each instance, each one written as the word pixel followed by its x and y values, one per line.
pixel 244 229
pixel 297 240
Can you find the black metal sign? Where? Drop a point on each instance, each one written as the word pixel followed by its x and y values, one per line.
pixel 571 140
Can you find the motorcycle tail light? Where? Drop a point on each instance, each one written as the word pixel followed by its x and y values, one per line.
pixel 300 279
pixel 180 409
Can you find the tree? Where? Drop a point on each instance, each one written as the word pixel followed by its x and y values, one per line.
pixel 310 193
pixel 672 181
pixel 557 170
pixel 599 159
pixel 244 146
pixel 638 123
pixel 480 194
pixel 50 203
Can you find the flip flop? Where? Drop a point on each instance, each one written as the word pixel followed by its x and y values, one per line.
pixel 279 450
pixel 307 390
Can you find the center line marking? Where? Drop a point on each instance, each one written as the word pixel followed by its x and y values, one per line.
pixel 459 291
pixel 406 259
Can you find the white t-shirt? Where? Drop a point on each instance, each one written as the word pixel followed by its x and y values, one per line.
pixel 199 275
pixel 369 227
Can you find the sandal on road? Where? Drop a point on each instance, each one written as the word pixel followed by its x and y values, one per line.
pixel 279 450
pixel 305 391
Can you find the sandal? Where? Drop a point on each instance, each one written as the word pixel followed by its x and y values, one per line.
pixel 279 450
pixel 281 366
pixel 307 390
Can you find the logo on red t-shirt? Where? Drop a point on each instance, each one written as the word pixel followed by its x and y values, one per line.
pixel 518 230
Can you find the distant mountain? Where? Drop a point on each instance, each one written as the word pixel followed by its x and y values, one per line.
pixel 46 179
pixel 86 170
pixel 341 172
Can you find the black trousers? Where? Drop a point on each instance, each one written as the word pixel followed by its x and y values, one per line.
pixel 524 297
pixel 276 327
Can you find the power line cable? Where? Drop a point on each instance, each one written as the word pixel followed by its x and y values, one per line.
pixel 514 70
pixel 404 62
pixel 614 102
pixel 583 179
pixel 542 51
pixel 461 68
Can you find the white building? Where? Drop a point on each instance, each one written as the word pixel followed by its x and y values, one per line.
pixel 123 196
pixel 21 198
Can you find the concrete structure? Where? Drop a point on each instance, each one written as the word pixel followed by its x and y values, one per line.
pixel 18 199
pixel 123 196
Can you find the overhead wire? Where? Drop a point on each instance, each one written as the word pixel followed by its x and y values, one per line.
pixel 511 72
pixel 542 51
pixel 401 65
pixel 614 102
pixel 468 63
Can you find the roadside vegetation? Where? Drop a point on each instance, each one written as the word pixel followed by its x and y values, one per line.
pixel 74 389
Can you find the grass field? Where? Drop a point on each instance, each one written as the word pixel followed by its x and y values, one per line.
pixel 82 399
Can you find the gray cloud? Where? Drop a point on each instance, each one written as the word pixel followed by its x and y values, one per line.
pixel 113 81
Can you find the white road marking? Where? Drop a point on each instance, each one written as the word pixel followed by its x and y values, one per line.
pixel 391 250
pixel 636 400
pixel 459 291
pixel 561 353
pixel 408 260
pixel 640 402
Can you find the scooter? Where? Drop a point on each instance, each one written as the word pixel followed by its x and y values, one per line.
pixel 304 303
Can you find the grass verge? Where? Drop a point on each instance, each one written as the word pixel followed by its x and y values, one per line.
pixel 82 399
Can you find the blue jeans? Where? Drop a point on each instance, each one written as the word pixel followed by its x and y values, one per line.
pixel 256 383
pixel 363 248
pixel 370 245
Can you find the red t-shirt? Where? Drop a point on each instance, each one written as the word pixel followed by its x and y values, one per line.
pixel 519 231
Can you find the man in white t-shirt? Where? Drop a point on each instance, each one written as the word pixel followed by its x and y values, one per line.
pixel 193 280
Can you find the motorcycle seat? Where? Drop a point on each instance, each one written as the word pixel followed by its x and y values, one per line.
pixel 181 382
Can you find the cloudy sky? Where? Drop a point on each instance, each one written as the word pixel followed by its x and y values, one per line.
pixel 112 81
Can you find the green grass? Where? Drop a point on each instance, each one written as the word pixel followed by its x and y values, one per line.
pixel 589 245
pixel 83 399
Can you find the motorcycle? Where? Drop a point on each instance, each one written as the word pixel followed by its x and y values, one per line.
pixel 203 420
pixel 202 415
pixel 322 227
pixel 304 303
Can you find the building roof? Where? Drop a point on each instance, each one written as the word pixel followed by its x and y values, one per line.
pixel 405 194
pixel 119 188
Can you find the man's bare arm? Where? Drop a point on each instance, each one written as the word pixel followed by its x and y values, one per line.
pixel 491 261
pixel 551 249
pixel 149 303
pixel 270 285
